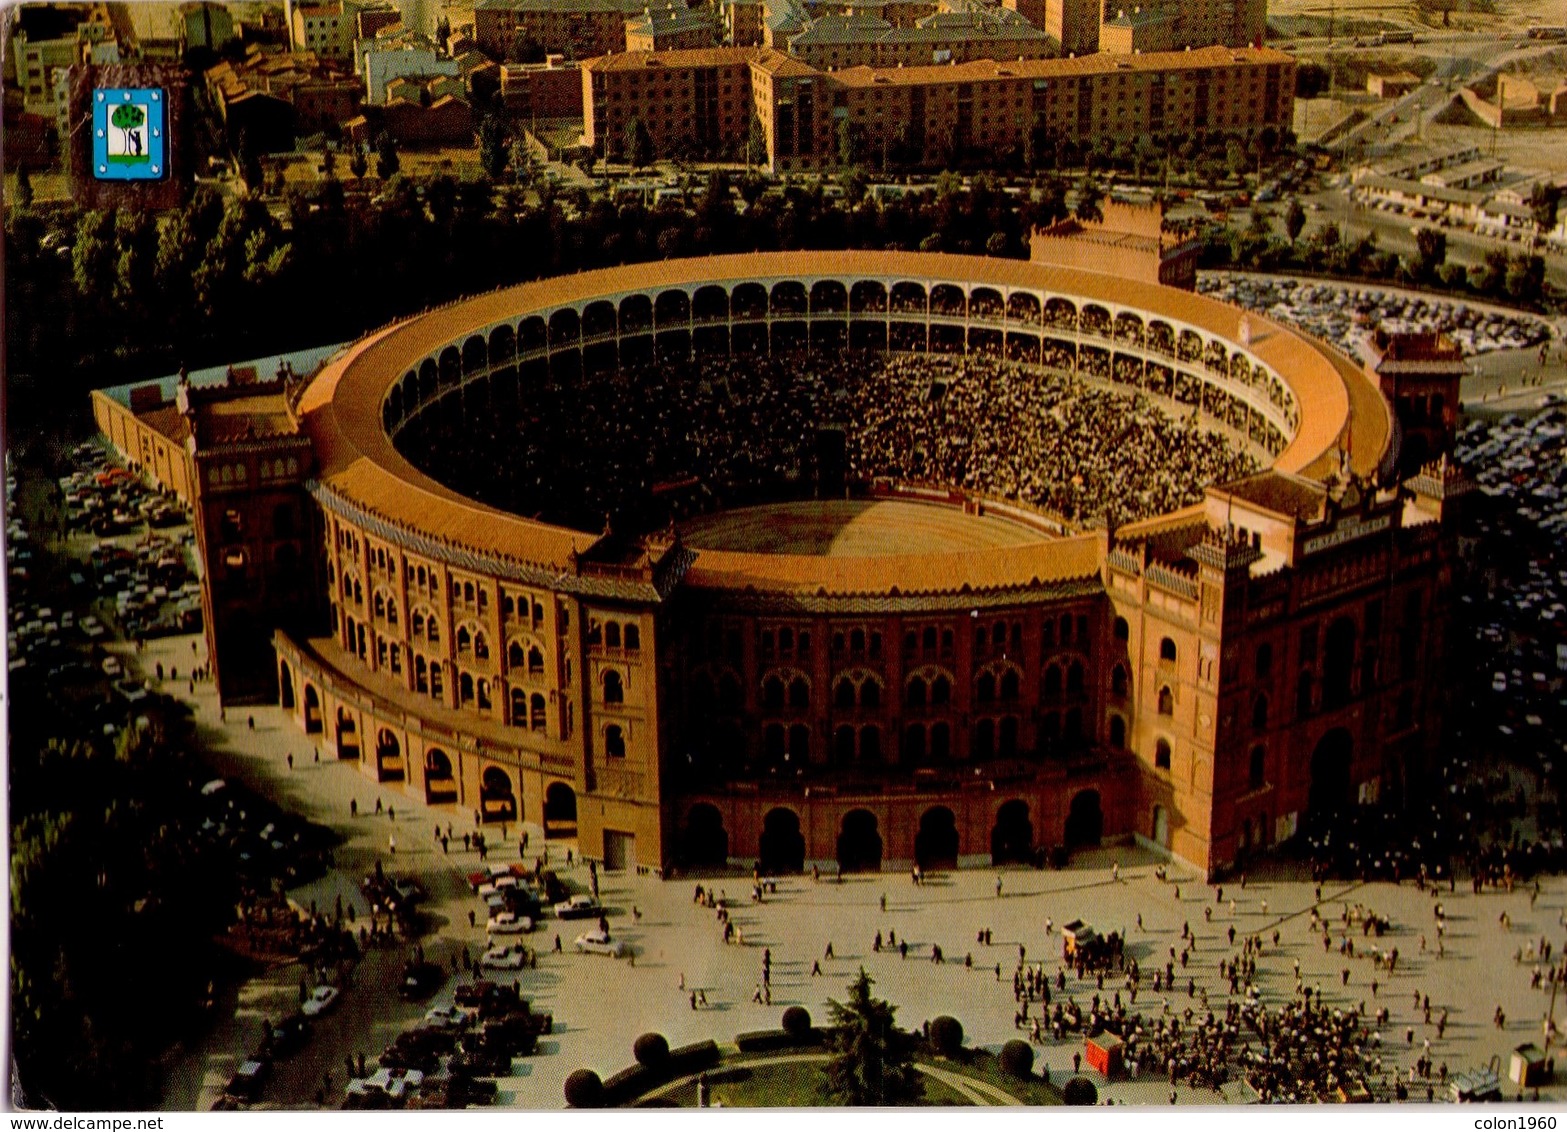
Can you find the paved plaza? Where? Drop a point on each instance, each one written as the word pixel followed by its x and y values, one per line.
pixel 600 1004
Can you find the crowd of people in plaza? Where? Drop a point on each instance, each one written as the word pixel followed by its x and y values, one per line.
pixel 650 444
pixel 1345 316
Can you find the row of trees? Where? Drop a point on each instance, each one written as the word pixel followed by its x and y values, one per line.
pixel 1512 276
pixel 139 294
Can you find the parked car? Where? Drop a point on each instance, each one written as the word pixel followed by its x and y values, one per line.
pixel 505 958
pixel 578 908
pixel 508 923
pixel 246 1083
pixel 448 1018
pixel 394 1083
pixel 321 1000
pixel 598 942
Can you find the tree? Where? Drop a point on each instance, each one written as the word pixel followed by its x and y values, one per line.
pixel 639 144
pixel 1090 198
pixel 1431 249
pixel 848 143
pixel 1543 203
pixel 946 1035
pixel 494 146
pixel 24 187
pixel 127 118
pixel 387 163
pixel 359 162
pixel 1017 1059
pixel 328 163
pixel 1294 221
pixel 872 1060
pixel 250 169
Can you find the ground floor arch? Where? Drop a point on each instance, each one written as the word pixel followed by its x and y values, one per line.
pixel 936 844
pixel 347 734
pixel 704 843
pixel 285 681
pixel 313 724
pixel 388 756
pixel 1085 820
pixel 440 781
pixel 497 799
pixel 782 845
pixel 859 843
pixel 1330 776
pixel 560 810
pixel 1161 827
pixel 1012 837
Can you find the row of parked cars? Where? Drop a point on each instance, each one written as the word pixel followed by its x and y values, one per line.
pixel 450 1059
pixel 517 901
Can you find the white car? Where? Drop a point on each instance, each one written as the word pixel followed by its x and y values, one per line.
pixel 506 958
pixel 578 908
pixel 508 923
pixel 448 1018
pixel 112 666
pixel 599 943
pixel 394 1083
pixel 320 1001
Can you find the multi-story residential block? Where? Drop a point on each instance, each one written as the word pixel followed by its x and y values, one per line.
pixel 1168 25
pixel 674 28
pixel 930 115
pixel 958 36
pixel 696 101
pixel 1073 24
pixel 509 30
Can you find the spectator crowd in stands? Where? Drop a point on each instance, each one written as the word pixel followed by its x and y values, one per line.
pixel 651 443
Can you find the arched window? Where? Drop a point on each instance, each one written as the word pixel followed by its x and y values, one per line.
pixel 1009 683
pixel 1257 772
pixel 481 647
pixel 870 694
pixel 799 693
pixel 857 641
pixel 843 694
pixel 1161 754
pixel 1118 681
pixel 1167 650
pixel 928 638
pixel 1166 701
pixel 1053 682
pixel 632 639
pixel 773 694
pixel 1123 631
pixel 915 693
pixel 1117 732
pixel 1264 661
pixel 465 688
pixel 1259 713
pixel 612 634
pixel 519 708
pixel 535 661
pixel 614 742
pixel 984 738
pixel 986 687
pixel 614 689
pixel 536 712
pixel 482 693
pixel 914 743
pixel 1303 695
pixel 417 624
pixel 843 745
pixel 464 639
pixel 940 690
pixel 1074 679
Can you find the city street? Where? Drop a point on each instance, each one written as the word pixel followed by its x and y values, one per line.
pixel 600 1004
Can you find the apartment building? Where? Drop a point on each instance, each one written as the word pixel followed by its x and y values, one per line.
pixel 960 35
pixel 696 100
pixel 1073 24
pixel 674 28
pixel 1174 25
pixel 576 29
pixel 930 115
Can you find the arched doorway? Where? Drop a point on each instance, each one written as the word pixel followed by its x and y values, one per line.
pixel 440 784
pixel 1330 764
pixel 347 735
pixel 560 810
pixel 496 800
pixel 1161 827
pixel 312 711
pixel 782 845
pixel 706 841
pixel 859 843
pixel 285 687
pixel 1085 821
pixel 388 757
pixel 936 843
pixel 1012 837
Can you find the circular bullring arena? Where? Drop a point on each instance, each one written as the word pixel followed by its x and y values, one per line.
pixel 785 558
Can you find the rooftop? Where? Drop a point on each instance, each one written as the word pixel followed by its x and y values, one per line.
pixel 1081 66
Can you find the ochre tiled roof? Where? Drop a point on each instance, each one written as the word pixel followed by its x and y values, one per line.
pixel 341 409
pixel 671 60
pixel 1081 66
